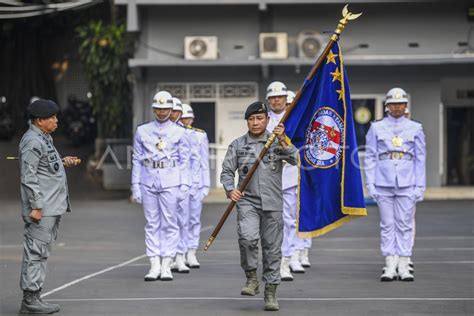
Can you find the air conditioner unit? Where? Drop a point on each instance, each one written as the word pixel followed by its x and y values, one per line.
pixel 200 47
pixel 311 44
pixel 273 45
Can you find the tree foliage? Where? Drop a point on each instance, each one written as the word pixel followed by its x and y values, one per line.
pixel 104 51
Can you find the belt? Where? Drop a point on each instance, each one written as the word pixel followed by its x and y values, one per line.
pixel 162 164
pixel 396 155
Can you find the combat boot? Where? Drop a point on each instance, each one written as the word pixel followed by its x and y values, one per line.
pixel 55 306
pixel 180 264
pixel 155 269
pixel 390 270
pixel 32 305
pixel 403 270
pixel 166 274
pixel 192 260
pixel 285 269
pixel 295 265
pixel 251 286
pixel 271 302
pixel 304 258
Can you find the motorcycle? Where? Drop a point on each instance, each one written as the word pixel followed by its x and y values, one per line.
pixel 7 124
pixel 80 121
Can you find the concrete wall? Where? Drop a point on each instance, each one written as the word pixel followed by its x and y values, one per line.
pixel 386 28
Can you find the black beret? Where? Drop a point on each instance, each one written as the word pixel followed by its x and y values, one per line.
pixel 42 108
pixel 256 107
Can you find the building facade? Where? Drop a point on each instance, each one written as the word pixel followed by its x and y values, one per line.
pixel 424 47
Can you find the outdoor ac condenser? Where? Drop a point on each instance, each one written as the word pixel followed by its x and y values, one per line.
pixel 311 44
pixel 273 45
pixel 200 47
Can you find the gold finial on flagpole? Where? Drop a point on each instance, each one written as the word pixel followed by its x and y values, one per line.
pixel 346 17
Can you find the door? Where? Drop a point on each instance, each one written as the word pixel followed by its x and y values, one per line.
pixel 460 145
pixel 205 116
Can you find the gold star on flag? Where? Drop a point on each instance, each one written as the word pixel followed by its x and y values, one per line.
pixel 336 75
pixel 331 58
pixel 341 93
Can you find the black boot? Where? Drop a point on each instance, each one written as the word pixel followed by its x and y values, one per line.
pixel 32 305
pixel 55 306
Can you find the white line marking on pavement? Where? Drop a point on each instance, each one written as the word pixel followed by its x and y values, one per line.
pixel 93 275
pixel 103 271
pixel 253 299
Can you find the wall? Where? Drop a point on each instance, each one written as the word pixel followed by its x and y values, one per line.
pixel 386 28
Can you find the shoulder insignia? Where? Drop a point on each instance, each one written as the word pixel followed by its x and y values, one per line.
pixel 198 130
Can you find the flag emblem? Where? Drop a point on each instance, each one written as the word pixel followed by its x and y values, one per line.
pixel 323 139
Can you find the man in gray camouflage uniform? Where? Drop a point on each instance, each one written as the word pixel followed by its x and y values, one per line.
pixel 44 198
pixel 260 206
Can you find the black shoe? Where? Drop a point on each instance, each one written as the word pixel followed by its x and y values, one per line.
pixel 32 305
pixel 56 307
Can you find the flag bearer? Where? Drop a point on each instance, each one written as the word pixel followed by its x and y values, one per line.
pixel 259 208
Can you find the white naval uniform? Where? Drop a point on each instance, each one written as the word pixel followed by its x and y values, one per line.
pixel 160 165
pixel 201 182
pixel 290 197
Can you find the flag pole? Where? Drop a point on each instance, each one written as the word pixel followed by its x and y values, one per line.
pixel 346 17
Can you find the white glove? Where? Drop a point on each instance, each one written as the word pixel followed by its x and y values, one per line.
pixel 419 193
pixel 183 192
pixel 372 191
pixel 136 193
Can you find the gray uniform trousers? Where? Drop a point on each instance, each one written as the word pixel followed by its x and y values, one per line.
pixel 254 224
pixel 38 237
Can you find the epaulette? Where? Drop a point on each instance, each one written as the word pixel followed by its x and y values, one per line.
pixel 142 124
pixel 198 130
pixel 417 121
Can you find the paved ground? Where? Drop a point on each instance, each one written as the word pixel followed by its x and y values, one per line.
pixel 108 234
pixel 98 264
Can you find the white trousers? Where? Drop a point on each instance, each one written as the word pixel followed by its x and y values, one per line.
pixel 195 209
pixel 397 220
pixel 289 221
pixel 161 227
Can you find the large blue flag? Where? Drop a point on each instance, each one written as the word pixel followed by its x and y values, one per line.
pixel 321 125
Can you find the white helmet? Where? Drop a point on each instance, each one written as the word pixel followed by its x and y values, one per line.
pixel 396 95
pixel 290 97
pixel 276 88
pixel 163 100
pixel 187 111
pixel 177 105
